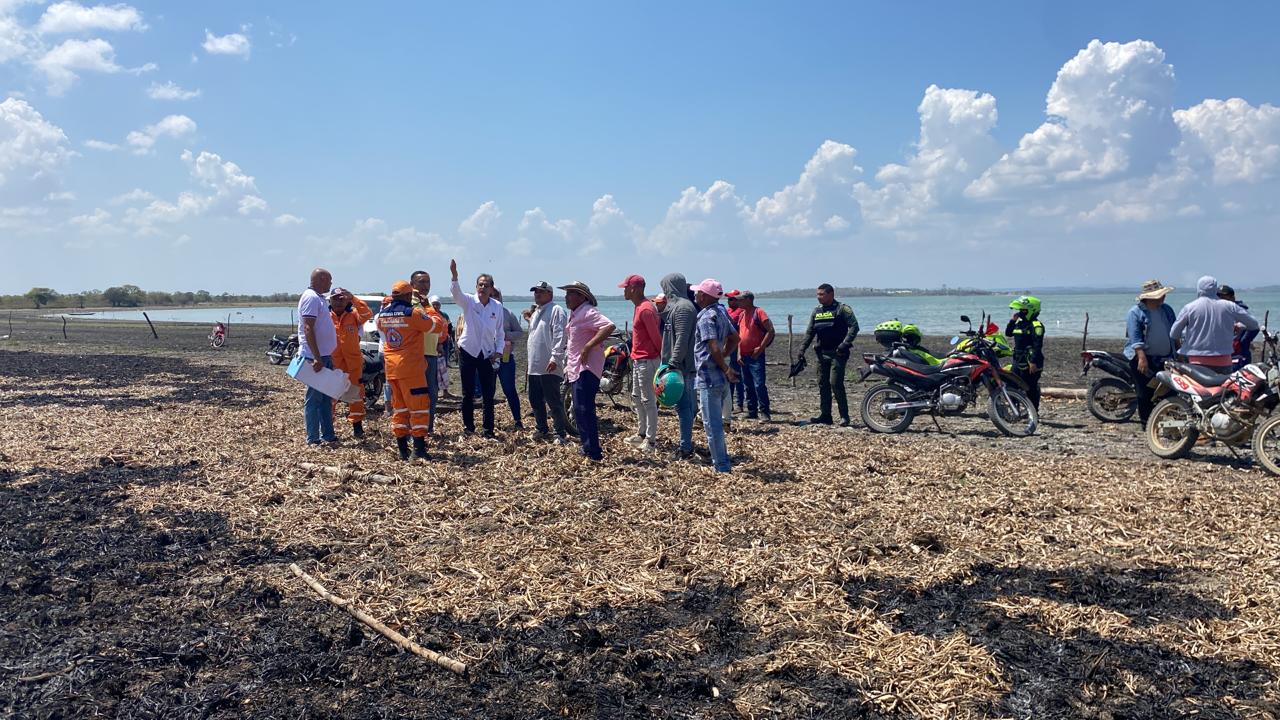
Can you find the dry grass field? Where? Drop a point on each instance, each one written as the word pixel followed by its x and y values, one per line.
pixel 152 498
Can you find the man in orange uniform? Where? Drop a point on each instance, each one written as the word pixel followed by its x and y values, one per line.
pixel 350 313
pixel 402 326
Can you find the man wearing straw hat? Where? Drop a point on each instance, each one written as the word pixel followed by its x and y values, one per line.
pixel 584 362
pixel 1149 342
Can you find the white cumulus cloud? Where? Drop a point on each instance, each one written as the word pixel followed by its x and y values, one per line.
pixel 61 65
pixel 820 202
pixel 230 44
pixel 1233 141
pixel 481 223
pixel 171 91
pixel 172 126
pixel 72 17
pixel 1110 117
pixel 610 230
pixel 537 232
pixel 287 220
pixel 32 153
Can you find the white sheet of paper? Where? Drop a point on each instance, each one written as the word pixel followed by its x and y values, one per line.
pixel 333 383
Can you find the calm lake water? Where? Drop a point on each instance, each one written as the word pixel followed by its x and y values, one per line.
pixel 1063 315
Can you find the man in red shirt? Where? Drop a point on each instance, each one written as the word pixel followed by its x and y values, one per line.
pixel 755 331
pixel 646 349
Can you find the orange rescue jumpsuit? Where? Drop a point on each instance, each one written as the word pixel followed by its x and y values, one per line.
pixel 401 327
pixel 348 358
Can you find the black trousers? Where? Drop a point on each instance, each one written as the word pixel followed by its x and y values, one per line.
pixel 473 368
pixel 544 395
pixel 1032 379
pixel 831 366
pixel 1140 381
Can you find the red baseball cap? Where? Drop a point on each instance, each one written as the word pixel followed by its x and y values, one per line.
pixel 631 280
pixel 733 293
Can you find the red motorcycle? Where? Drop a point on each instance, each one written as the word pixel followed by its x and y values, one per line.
pixel 946 389
pixel 1227 408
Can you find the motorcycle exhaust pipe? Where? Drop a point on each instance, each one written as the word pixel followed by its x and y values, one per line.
pixel 892 407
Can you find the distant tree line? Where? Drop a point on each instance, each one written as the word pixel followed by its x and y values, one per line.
pixel 128 296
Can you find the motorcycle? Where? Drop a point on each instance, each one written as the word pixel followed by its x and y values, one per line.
pixel 1110 399
pixel 281 349
pixel 946 389
pixel 1230 409
pixel 373 377
pixel 218 338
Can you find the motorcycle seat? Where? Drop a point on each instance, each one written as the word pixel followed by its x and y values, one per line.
pixel 919 367
pixel 1201 374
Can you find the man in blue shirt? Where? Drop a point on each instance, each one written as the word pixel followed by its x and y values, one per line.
pixel 715 339
pixel 1148 343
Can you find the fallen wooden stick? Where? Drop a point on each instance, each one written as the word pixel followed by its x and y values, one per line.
pixel 357 474
pixel 405 643
pixel 1064 393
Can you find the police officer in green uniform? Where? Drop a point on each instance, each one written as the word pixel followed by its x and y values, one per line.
pixel 1027 333
pixel 834 326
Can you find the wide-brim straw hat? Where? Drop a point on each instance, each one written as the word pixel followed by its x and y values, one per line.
pixel 582 288
pixel 1154 290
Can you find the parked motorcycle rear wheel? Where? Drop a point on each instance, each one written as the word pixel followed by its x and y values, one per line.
pixel 1266 444
pixel 1112 400
pixel 276 358
pixel 1164 442
pixel 874 416
pixel 1015 418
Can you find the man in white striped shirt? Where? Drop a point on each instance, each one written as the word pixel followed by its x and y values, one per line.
pixel 479 348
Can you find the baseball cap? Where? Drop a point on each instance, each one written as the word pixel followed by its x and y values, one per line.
pixel 544 285
pixel 401 287
pixel 710 287
pixel 631 280
pixel 733 293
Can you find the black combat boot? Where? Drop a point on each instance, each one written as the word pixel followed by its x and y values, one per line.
pixel 357 430
pixel 403 444
pixel 420 448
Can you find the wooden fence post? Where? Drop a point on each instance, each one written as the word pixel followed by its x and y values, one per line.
pixel 153 327
pixel 791 358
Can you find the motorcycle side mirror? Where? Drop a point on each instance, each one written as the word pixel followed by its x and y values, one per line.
pixel 964 318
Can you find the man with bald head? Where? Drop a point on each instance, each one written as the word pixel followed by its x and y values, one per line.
pixel 317 341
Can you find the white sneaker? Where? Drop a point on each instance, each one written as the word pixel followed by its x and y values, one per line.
pixel 647 446
pixel 634 440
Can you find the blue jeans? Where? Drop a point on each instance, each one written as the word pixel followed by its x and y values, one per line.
pixel 712 405
pixel 584 413
pixel 433 389
pixel 507 378
pixel 317 412
pixel 753 380
pixel 685 410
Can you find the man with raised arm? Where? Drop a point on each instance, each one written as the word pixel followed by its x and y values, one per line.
pixel 480 347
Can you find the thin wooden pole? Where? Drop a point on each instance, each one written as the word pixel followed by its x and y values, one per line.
pixel 64 327
pixel 443 661
pixel 1084 345
pixel 153 327
pixel 791 357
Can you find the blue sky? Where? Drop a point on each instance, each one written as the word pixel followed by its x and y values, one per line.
pixel 769 145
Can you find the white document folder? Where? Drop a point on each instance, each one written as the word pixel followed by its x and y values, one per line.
pixel 329 381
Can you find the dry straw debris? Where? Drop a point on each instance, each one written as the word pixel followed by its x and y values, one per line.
pixel 152 506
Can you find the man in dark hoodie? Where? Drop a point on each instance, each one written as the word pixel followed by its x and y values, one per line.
pixel 679 321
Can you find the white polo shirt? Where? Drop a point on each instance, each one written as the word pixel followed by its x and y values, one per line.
pixel 482 331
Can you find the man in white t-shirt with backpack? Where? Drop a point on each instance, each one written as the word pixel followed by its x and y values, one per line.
pixel 317 341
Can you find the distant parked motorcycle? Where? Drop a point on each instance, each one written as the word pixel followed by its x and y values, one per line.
pixel 946 389
pixel 281 349
pixel 218 337
pixel 1110 399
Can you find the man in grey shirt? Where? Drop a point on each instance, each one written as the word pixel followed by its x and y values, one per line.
pixel 678 324
pixel 547 341
pixel 1207 326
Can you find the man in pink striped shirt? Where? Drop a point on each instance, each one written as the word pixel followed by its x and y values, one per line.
pixel 584 362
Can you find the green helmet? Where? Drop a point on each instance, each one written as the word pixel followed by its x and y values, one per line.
pixel 911 334
pixel 1029 303
pixel 890 326
pixel 668 385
